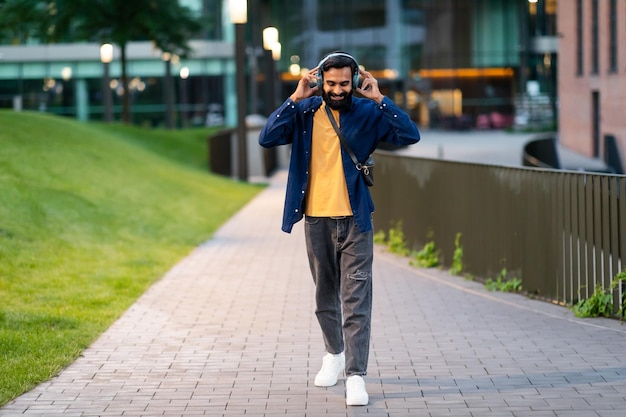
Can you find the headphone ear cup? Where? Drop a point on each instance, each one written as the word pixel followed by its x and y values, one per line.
pixel 319 79
pixel 355 81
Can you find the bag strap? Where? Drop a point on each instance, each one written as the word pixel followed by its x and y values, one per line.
pixel 343 141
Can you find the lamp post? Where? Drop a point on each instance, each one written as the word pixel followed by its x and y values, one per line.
pixel 184 74
pixel 276 51
pixel 168 90
pixel 106 56
pixel 239 16
pixel 253 53
pixel 270 37
pixel 272 51
pixel 66 76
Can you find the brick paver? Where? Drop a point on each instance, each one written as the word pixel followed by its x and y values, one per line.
pixel 230 331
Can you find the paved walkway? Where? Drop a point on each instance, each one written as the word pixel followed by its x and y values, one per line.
pixel 230 331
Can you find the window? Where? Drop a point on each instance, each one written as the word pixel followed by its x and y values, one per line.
pixel 595 120
pixel 579 37
pixel 594 37
pixel 613 36
pixel 336 15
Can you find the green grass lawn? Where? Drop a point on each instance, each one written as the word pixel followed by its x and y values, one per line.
pixel 90 216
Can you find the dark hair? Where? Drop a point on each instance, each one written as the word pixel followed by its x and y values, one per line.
pixel 340 61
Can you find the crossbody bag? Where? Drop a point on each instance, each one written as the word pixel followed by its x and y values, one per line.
pixel 366 168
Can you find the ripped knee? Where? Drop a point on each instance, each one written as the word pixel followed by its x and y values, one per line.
pixel 359 275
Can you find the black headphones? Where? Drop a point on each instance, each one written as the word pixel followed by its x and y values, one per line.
pixel 355 75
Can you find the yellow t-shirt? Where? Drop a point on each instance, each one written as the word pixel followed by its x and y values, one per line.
pixel 327 193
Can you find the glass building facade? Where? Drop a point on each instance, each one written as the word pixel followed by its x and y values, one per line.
pixel 67 78
pixel 450 63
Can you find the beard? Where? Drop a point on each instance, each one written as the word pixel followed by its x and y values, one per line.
pixel 343 103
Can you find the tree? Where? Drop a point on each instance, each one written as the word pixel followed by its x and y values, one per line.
pixel 164 22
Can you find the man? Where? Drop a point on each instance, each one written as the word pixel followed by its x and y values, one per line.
pixel 325 186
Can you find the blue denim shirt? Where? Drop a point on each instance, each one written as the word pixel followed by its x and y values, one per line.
pixel 364 125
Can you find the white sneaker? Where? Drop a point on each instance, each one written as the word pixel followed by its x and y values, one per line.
pixel 332 366
pixel 355 391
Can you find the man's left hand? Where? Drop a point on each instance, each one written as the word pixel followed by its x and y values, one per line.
pixel 369 87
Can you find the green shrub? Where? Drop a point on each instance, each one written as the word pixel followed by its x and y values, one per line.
pixel 599 304
pixel 396 241
pixel 428 257
pixel 601 301
pixel 380 238
pixel 620 279
pixel 457 257
pixel 503 284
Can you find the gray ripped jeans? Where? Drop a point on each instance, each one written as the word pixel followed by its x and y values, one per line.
pixel 340 257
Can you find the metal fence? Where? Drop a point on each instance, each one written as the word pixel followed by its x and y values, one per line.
pixel 560 232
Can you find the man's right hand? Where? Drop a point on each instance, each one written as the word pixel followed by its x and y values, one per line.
pixel 307 86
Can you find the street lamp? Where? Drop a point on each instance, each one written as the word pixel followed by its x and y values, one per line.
pixel 276 50
pixel 272 48
pixel 239 16
pixel 66 76
pixel 106 56
pixel 270 37
pixel 168 90
pixel 270 42
pixel 66 73
pixel 184 74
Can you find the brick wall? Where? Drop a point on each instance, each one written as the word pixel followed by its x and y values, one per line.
pixel 575 91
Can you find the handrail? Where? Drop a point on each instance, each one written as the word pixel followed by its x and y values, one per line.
pixel 561 232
